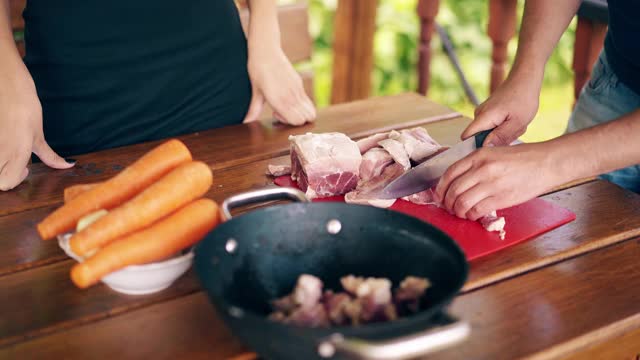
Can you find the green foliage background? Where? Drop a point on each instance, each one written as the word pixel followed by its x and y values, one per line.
pixel 395 47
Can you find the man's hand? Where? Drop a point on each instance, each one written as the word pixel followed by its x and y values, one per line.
pixel 493 178
pixel 274 79
pixel 21 130
pixel 509 110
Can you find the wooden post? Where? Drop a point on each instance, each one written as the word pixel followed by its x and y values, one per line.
pixel 427 11
pixel 502 27
pixel 354 27
pixel 588 44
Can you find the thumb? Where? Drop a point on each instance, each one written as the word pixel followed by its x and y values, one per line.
pixel 504 134
pixel 255 107
pixel 49 157
pixel 484 120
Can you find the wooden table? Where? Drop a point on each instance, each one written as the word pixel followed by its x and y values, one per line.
pixel 573 292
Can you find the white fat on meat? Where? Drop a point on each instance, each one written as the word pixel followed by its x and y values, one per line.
pixel 373 163
pixel 371 142
pixel 492 222
pixel 308 291
pixel 379 289
pixel 417 143
pixel 325 164
pixel 397 152
pixel 278 170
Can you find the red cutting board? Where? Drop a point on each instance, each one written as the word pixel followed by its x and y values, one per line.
pixel 523 222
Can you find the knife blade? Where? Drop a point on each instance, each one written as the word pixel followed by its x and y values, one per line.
pixel 427 174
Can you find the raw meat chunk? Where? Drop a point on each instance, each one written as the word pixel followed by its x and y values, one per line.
pixel 492 222
pixel 314 316
pixel 278 170
pixel 374 295
pixel 351 283
pixel 285 304
pixel 397 152
pixel 373 163
pixel 412 288
pixel 306 294
pixel 325 164
pixel 409 293
pixel 367 192
pixel 417 143
pixel 422 198
pixel 308 291
pixel 338 306
pixel 371 142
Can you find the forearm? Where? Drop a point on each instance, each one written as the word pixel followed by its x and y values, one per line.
pixel 598 150
pixel 9 55
pixel 264 29
pixel 543 23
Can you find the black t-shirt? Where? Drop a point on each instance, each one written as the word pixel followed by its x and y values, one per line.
pixel 622 43
pixel 117 72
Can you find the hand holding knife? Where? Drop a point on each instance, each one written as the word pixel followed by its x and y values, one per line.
pixel 427 174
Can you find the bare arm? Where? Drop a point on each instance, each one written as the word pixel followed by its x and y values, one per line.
pixel 21 115
pixel 273 77
pixel 515 103
pixel 264 29
pixel 599 149
pixel 543 23
pixel 9 56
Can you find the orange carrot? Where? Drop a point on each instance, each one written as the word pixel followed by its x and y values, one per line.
pixel 75 190
pixel 175 232
pixel 120 188
pixel 182 185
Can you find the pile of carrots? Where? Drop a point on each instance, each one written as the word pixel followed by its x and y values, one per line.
pixel 154 209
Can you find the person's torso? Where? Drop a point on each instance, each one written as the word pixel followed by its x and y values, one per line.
pixel 622 44
pixel 111 73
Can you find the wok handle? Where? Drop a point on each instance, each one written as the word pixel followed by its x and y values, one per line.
pixel 405 347
pixel 262 195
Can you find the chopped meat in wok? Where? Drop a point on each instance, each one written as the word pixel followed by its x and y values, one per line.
pixel 410 291
pixel 308 291
pixel 364 300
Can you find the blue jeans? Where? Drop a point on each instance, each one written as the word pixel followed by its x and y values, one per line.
pixel 603 99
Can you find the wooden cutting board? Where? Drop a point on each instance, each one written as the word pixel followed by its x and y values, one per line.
pixel 523 222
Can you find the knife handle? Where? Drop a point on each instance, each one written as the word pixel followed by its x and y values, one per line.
pixel 481 136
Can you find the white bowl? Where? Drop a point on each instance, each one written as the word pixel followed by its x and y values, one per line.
pixel 140 279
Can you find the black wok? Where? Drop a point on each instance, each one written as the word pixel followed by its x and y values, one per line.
pixel 254 258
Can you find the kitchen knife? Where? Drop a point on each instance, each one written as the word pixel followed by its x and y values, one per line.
pixel 427 174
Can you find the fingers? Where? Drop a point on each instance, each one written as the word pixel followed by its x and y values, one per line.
pixel 484 120
pixel 292 105
pixel 471 199
pixel 452 173
pixel 483 208
pixel 48 156
pixel 14 172
pixel 505 134
pixel 458 187
pixel 309 107
pixel 255 107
